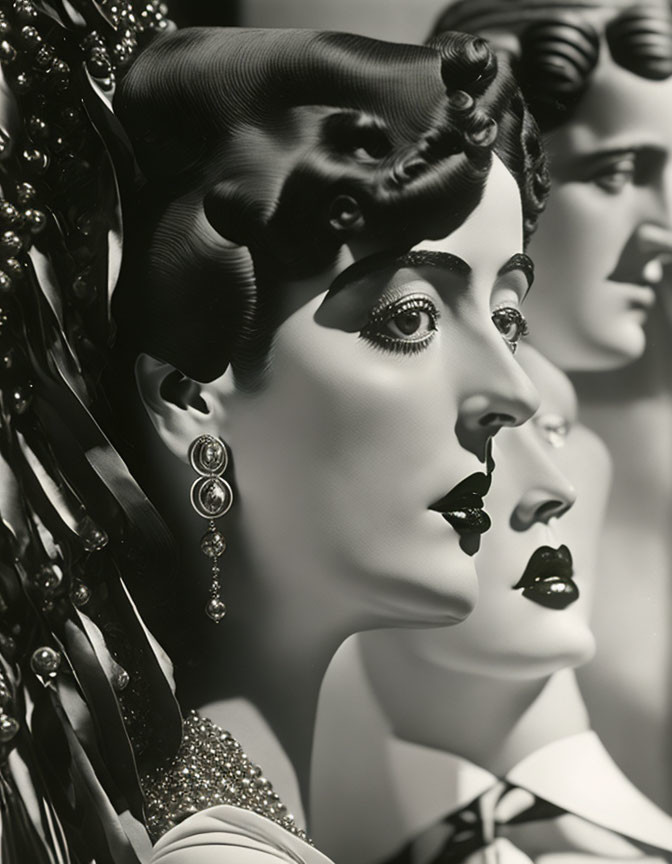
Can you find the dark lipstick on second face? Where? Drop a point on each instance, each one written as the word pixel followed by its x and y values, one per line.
pixel 462 507
pixel 547 579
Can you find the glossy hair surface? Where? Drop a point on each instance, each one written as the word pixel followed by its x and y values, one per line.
pixel 554 45
pixel 263 152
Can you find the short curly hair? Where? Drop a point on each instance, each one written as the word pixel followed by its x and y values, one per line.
pixel 262 152
pixel 554 45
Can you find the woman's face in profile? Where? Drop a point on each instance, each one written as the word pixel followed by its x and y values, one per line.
pixel 607 221
pixel 381 396
pixel 536 567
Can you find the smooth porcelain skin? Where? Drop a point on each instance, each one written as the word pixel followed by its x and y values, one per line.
pixel 463 689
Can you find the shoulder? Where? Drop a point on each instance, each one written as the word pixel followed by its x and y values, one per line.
pixel 224 834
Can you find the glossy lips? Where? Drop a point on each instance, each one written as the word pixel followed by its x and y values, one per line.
pixel 547 579
pixel 462 507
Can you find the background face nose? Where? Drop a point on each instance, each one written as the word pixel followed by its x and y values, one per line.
pixel 644 256
pixel 543 503
pixel 545 491
pixel 655 244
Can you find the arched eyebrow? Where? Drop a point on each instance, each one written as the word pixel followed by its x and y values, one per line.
pixel 394 261
pixel 519 261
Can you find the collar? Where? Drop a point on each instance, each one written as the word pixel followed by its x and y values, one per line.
pixel 575 773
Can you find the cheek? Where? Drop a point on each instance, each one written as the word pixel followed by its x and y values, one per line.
pixel 581 234
pixel 586 462
pixel 357 431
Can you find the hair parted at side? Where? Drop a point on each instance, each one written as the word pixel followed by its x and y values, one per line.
pixel 263 151
pixel 554 45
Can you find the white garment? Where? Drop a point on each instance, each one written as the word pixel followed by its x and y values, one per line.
pixel 605 812
pixel 231 835
pixel 373 793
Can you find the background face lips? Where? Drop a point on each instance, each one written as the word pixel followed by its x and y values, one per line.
pixel 547 579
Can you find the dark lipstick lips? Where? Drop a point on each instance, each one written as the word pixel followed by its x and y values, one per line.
pixel 547 579
pixel 462 507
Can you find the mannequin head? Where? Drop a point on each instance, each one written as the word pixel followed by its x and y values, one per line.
pixel 356 371
pixel 602 96
pixel 549 489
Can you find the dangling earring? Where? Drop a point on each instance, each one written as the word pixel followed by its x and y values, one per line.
pixel 211 497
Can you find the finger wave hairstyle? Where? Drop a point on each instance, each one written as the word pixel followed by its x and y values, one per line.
pixel 554 45
pixel 262 152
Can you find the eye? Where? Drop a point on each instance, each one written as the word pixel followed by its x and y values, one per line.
pixel 511 324
pixel 553 428
pixel 614 177
pixel 406 325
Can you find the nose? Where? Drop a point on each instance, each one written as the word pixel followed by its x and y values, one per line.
pixel 501 395
pixel 548 495
pixel 654 244
pixel 645 255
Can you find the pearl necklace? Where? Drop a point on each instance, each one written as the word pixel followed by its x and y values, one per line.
pixel 210 768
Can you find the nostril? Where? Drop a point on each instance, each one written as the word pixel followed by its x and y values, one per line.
pixel 528 514
pixel 549 510
pixel 495 419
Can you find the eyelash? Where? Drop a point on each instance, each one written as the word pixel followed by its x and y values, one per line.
pixel 382 316
pixel 503 316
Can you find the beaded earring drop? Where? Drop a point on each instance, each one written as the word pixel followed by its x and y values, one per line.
pixel 211 497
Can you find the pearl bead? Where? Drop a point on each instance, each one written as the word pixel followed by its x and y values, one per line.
pixel 213 544
pixel 93 538
pixel 36 220
pixel 80 594
pixel 48 578
pixel 10 242
pixel 25 194
pixel 45 662
pixel 8 728
pixel 215 609
pixel 14 268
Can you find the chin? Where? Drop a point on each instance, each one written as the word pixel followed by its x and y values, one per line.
pixel 439 597
pixel 629 340
pixel 562 651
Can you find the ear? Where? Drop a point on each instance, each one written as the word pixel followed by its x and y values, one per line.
pixel 179 408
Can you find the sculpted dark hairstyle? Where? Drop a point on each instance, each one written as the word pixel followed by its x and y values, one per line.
pixel 263 152
pixel 554 45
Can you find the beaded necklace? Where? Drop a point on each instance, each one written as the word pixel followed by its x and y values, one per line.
pixel 209 768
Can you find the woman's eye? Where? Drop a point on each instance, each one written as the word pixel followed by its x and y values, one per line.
pixel 511 324
pixel 614 178
pixel 406 325
pixel 553 428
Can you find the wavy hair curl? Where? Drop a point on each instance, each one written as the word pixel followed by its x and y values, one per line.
pixel 263 152
pixel 554 45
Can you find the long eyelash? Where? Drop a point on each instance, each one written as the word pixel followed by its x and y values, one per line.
pixel 380 315
pixel 382 312
pixel 400 346
pixel 522 320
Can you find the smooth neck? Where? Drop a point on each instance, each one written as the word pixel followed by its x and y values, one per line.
pixel 493 722
pixel 268 655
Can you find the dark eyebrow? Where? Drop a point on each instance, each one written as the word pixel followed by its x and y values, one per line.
pixel 519 261
pixel 395 261
pixel 583 164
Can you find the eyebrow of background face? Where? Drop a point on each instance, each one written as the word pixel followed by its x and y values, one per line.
pixel 424 258
pixel 585 163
